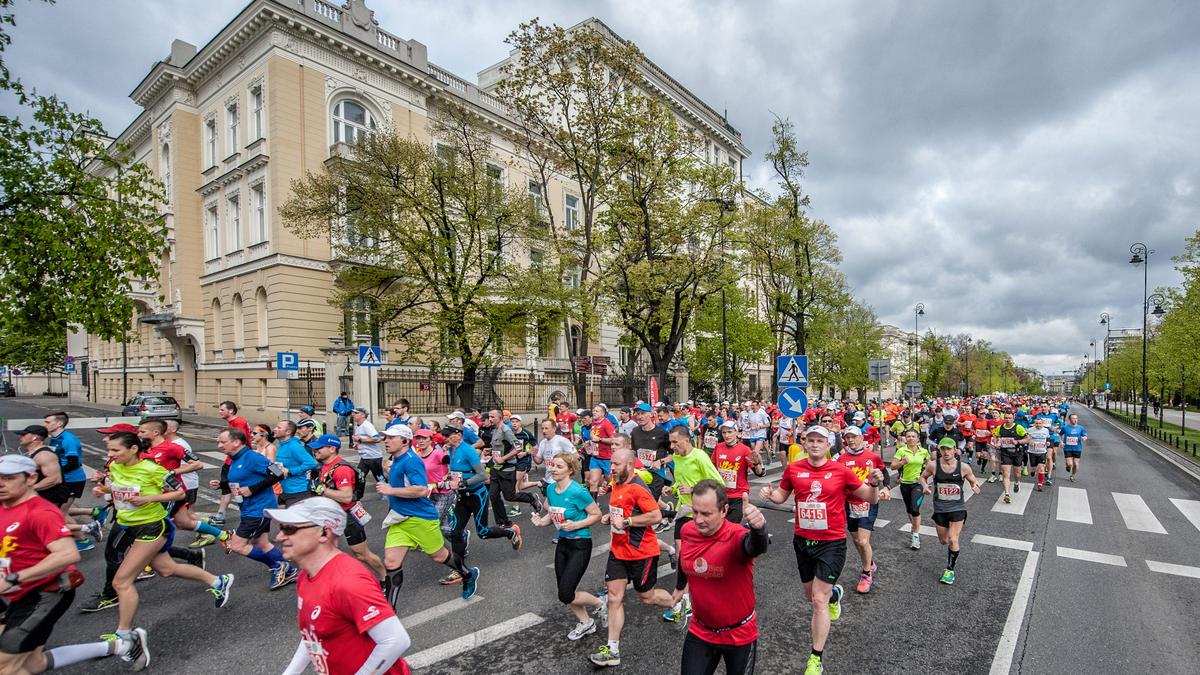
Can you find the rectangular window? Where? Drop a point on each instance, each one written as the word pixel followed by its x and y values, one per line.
pixel 571 212
pixel 535 259
pixel 534 189
pixel 210 142
pixel 234 241
pixel 256 111
pixel 231 118
pixel 495 172
pixel 258 192
pixel 212 223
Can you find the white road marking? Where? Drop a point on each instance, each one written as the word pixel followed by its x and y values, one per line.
pixel 1091 556
pixel 1137 514
pixel 1001 542
pixel 925 529
pixel 1019 501
pixel 1002 660
pixel 437 611
pixel 1178 570
pixel 1073 505
pixel 881 523
pixel 428 657
pixel 1190 509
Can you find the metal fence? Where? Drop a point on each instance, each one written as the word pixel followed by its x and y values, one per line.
pixel 308 389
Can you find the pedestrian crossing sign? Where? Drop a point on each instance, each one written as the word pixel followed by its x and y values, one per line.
pixel 792 371
pixel 369 355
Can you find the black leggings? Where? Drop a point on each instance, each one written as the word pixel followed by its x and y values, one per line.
pixel 913 496
pixel 504 484
pixel 703 657
pixel 472 505
pixel 373 466
pixel 571 558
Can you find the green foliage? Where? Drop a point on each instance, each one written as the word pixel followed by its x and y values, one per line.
pixel 749 340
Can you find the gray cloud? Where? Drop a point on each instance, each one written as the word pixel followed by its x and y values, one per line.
pixel 992 160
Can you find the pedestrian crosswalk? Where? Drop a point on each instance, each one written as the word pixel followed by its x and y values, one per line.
pixel 1079 505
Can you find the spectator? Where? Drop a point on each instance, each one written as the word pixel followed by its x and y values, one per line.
pixel 342 407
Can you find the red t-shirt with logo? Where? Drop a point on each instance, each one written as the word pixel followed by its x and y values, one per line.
pixel 982 429
pixel 821 494
pixel 168 455
pixel 336 608
pixel 603 429
pixel 344 476
pixel 861 464
pixel 25 530
pixel 731 463
pixel 721 580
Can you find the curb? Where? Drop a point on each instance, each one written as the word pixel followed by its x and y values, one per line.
pixel 1169 454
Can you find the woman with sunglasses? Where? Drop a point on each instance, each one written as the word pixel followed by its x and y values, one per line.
pixel 141 491
pixel 346 624
pixel 264 441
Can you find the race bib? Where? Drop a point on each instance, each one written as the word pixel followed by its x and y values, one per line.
pixel 5 566
pixel 360 514
pixel 1037 447
pixel 647 456
pixel 1072 440
pixel 122 493
pixel 811 516
pixel 616 516
pixel 456 475
pixel 1006 442
pixel 729 476
pixel 557 515
pixel 949 491
pixel 859 510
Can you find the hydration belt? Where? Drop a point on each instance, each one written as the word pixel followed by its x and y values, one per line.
pixel 739 624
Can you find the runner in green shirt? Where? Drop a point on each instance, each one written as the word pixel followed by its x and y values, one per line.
pixel 692 465
pixel 141 491
pixel 910 460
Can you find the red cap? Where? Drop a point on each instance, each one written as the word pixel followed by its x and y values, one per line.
pixel 118 427
pixel 426 433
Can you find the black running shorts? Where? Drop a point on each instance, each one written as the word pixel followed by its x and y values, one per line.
pixel 822 560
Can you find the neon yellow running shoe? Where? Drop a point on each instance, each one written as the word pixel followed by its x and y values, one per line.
pixel 814 666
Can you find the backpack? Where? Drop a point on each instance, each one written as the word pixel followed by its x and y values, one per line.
pixel 360 479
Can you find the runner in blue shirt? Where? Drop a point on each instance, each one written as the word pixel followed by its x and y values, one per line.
pixel 1073 437
pixel 296 462
pixel 413 520
pixel 469 478
pixel 70 459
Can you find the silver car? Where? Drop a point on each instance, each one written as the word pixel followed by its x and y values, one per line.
pixel 153 405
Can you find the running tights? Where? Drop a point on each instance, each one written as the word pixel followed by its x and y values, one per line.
pixel 702 658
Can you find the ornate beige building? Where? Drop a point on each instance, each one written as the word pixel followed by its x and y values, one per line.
pixel 228 127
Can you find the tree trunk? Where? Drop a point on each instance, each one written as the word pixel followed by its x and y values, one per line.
pixel 466 388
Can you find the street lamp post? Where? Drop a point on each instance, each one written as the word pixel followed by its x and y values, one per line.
pixel 1141 256
pixel 1106 321
pixel 967 369
pixel 1095 367
pixel 918 312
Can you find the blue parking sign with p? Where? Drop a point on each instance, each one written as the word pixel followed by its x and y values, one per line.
pixel 287 361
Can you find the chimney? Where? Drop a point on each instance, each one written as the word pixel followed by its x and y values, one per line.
pixel 181 53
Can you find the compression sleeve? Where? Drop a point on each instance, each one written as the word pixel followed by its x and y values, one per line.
pixel 755 542
pixel 299 661
pixel 391 640
pixel 70 463
pixel 479 478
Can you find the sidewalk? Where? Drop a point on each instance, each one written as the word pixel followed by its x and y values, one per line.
pixel 102 409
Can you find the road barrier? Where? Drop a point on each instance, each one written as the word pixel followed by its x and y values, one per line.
pixel 1189 447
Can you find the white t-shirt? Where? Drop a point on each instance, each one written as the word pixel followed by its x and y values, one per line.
pixel 549 447
pixel 368 450
pixel 749 419
pixel 785 430
pixel 191 480
pixel 627 427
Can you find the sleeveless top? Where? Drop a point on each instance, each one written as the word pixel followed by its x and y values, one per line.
pixel 948 489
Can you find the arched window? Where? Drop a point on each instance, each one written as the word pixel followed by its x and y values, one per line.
pixel 260 309
pixel 350 121
pixel 239 323
pixel 166 170
pixel 218 342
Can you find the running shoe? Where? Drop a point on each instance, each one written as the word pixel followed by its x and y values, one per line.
pixel 135 650
pixel 835 603
pixel 147 573
pixel 679 615
pixel 100 514
pixel 96 529
pixel 992 479
pixel 517 540
pixel 1024 471
pixel 915 542
pixel 98 603
pixel 1049 481
pixel 1037 488
pixel 221 592
pixel 662 526
pixel 814 667
pixel 85 544
pixel 581 629
pixel 537 501
pixel 602 611
pixel 217 521
pixel 513 511
pixel 202 540
pixel 1007 498
pixel 1016 486
pixel 452 578
pixel 864 582
pixel 226 541
pixel 947 577
pixel 1072 478
pixel 203 564
pixel 604 657
pixel 283 575
pixel 673 558
pixel 470 584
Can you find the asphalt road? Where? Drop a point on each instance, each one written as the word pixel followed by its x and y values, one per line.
pixel 1102 600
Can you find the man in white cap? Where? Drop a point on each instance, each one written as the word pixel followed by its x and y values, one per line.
pixel 821 487
pixel 40 579
pixel 344 618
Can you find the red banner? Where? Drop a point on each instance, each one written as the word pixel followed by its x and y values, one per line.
pixel 653 390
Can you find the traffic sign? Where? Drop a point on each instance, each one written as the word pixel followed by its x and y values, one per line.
pixel 1107 386
pixel 287 361
pixel 69 367
pixel 370 356
pixel 70 359
pixel 913 388
pixel 879 370
pixel 792 370
pixel 793 401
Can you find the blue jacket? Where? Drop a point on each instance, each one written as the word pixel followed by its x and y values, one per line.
pixel 249 469
pixel 343 406
pixel 292 455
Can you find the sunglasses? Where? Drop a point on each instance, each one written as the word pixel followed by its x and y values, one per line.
pixel 289 530
pixel 258 433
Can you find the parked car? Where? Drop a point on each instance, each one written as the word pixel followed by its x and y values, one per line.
pixel 152 405
pixel 7 388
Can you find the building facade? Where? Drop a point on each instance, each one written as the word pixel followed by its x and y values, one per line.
pixel 227 127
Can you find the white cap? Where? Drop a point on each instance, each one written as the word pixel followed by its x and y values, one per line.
pixel 516 417
pixel 818 429
pixel 852 430
pixel 728 424
pixel 11 465
pixel 456 415
pixel 321 511
pixel 472 425
pixel 401 430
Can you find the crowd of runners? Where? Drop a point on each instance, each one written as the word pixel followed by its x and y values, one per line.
pixel 647 479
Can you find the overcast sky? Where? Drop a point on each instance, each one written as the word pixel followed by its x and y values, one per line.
pixel 992 160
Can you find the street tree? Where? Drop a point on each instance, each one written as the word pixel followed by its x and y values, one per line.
pixel 748 340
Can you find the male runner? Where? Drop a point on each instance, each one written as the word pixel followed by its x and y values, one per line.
pixel 1074 435
pixel 861 514
pixel 1010 438
pixel 370 447
pixel 732 459
pixel 228 410
pixel 821 487
pixel 691 467
pixel 338 480
pixel 70 457
pixel 296 461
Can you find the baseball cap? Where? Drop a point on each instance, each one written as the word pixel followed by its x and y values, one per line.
pixel 13 464
pixel 423 433
pixel 456 415
pixel 321 511
pixel 451 429
pixel 947 442
pixel 307 409
pixel 118 428
pixel 325 441
pixel 643 407
pixel 852 430
pixel 728 424
pixel 949 419
pixel 818 429
pixel 516 417
pixel 35 429
pixel 361 410
pixel 400 430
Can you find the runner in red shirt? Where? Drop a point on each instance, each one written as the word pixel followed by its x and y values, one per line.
pixel 346 625
pixel 861 514
pixel 228 412
pixel 732 458
pixel 821 487
pixel 717 561
pixel 981 431
pixel 600 450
